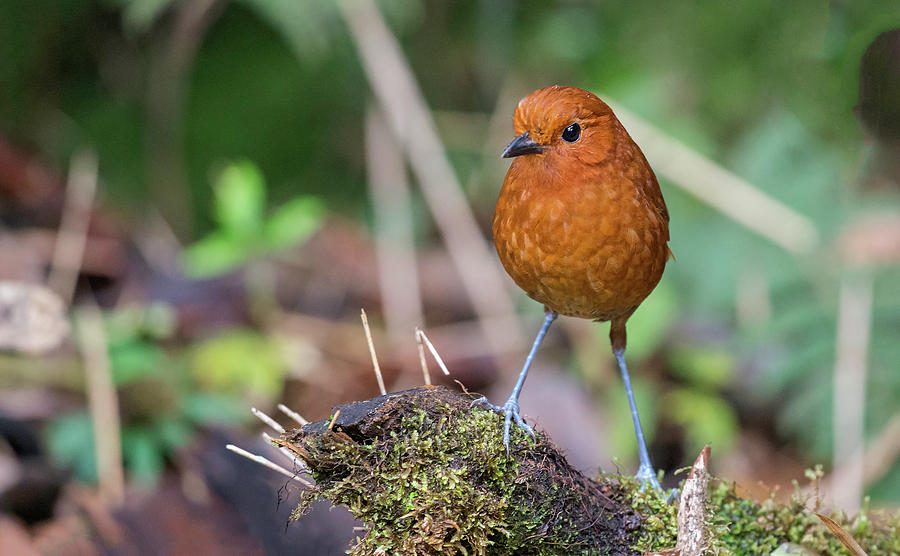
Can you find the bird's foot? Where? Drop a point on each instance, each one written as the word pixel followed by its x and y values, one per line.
pixel 647 476
pixel 483 402
pixel 511 411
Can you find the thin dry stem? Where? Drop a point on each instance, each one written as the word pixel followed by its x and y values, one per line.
pixel 467 333
pixel 426 375
pixel 266 463
pixel 292 414
pixel 433 351
pixel 267 420
pixel 299 463
pixel 333 419
pixel 365 321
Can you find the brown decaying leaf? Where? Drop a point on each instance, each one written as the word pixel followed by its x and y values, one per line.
pixel 842 535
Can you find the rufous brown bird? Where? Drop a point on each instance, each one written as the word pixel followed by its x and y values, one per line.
pixel 580 225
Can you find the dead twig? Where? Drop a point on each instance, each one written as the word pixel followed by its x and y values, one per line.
pixel 375 365
pixel 292 414
pixel 431 348
pixel 267 420
pixel 267 463
pixel 421 347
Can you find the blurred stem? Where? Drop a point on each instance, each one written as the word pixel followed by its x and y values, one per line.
pixel 409 119
pixel 734 197
pixel 169 67
pixel 853 331
pixel 398 277
pixel 103 404
pixel 882 452
pixel 73 229
pixel 260 283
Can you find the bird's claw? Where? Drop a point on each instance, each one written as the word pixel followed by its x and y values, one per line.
pixel 510 410
pixel 672 498
pixel 483 402
pixel 646 475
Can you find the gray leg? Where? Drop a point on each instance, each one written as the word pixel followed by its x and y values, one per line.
pixel 645 473
pixel 511 408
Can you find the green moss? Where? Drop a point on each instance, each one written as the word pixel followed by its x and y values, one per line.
pixel 659 528
pixel 437 479
pixel 746 527
pixel 743 527
pixel 442 483
pixel 429 475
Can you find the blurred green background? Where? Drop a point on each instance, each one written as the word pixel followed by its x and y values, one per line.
pixel 235 133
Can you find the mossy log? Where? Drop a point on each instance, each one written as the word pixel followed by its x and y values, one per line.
pixel 428 474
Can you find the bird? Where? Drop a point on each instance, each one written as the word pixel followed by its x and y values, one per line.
pixel 580 225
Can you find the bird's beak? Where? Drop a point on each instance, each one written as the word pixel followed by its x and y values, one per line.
pixel 523 144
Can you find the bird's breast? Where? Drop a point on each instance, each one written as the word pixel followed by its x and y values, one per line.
pixel 591 250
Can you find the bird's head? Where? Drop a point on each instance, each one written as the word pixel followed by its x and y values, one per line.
pixel 563 121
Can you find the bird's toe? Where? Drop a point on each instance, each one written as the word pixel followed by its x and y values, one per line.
pixel 483 402
pixel 511 411
pixel 647 476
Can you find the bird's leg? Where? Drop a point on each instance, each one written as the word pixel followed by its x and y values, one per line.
pixel 511 408
pixel 646 473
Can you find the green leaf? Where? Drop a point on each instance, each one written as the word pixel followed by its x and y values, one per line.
pixel 306 25
pixel 792 549
pixel 172 433
pixel 122 325
pixel 70 441
pixel 160 321
pixel 215 254
pixel 240 362
pixel 139 15
pixel 618 412
pixel 207 409
pixel 707 419
pixel 705 366
pixel 143 453
pixel 294 222
pixel 241 199
pixel 134 360
pixel 651 322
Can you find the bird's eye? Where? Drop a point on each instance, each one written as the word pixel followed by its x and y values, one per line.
pixel 571 133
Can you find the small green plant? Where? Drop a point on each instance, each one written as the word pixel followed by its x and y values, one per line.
pixel 160 406
pixel 244 231
pixel 240 363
